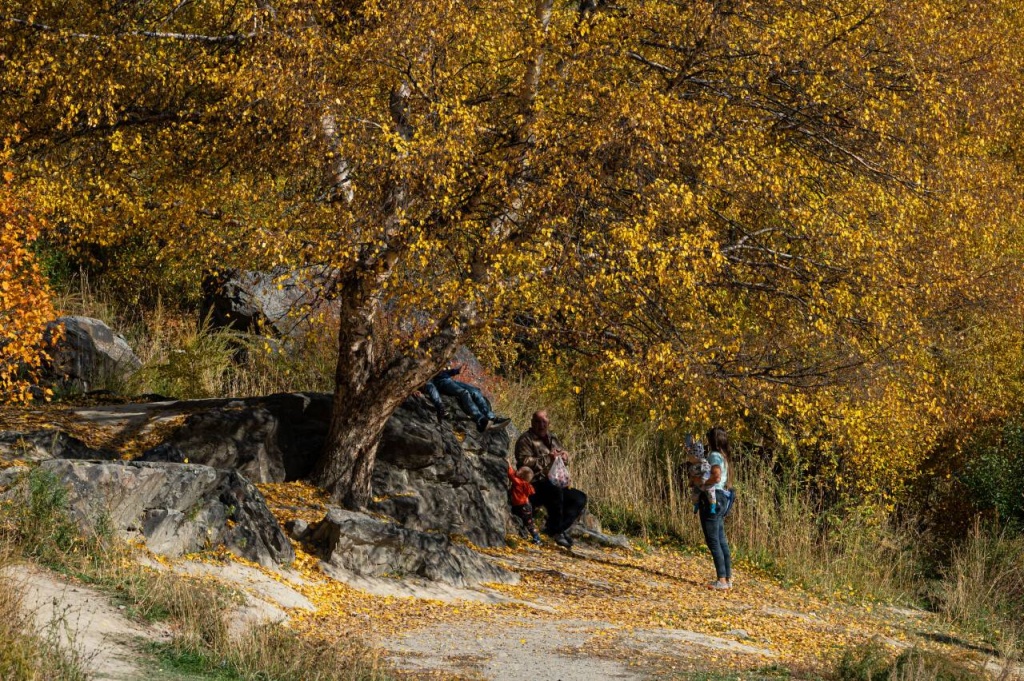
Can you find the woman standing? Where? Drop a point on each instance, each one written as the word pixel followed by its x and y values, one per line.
pixel 713 523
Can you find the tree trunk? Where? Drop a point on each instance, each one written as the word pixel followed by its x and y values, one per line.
pixel 345 468
pixel 367 392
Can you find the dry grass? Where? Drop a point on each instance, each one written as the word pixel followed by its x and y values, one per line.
pixel 874 662
pixel 184 357
pixel 982 588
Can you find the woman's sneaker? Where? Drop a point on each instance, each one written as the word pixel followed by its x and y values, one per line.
pixel 563 540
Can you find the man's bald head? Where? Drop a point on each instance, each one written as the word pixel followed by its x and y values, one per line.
pixel 539 423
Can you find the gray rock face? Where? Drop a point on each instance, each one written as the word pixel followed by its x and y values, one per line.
pixel 374 548
pixel 176 508
pixel 429 480
pixel 267 303
pixel 267 439
pixel 40 445
pixel 426 477
pixel 90 354
pixel 10 476
pixel 244 440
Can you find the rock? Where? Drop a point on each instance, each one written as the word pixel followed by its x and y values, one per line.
pixel 738 633
pixel 176 508
pixel 89 354
pixel 164 452
pixel 589 521
pixel 297 529
pixel 617 541
pixel 267 439
pixel 443 478
pixel 435 478
pixel 374 548
pixel 242 439
pixel 40 445
pixel 11 475
pixel 276 303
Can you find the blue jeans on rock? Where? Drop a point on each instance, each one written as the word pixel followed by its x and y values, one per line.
pixel 714 532
pixel 470 398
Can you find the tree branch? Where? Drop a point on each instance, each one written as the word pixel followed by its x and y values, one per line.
pixel 161 35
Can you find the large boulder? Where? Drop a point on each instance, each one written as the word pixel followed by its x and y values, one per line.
pixel 443 477
pixel 376 548
pixel 275 303
pixel 175 508
pixel 267 439
pixel 40 445
pixel 89 354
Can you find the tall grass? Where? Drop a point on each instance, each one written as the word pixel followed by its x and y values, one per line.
pixel 982 587
pixel 185 357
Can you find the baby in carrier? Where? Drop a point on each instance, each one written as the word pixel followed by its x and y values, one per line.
pixel 698 468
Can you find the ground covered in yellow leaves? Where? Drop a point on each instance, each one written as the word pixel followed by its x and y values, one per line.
pixel 649 612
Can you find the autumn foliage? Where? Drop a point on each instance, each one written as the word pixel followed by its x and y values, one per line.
pixel 25 305
pixel 798 219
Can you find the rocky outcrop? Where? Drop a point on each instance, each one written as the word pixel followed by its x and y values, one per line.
pixel 175 508
pixel 430 477
pixel 40 445
pixel 89 354
pixel 267 439
pixel 375 548
pixel 443 478
pixel 276 303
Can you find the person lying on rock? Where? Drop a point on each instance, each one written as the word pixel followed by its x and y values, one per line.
pixel 520 494
pixel 471 399
pixel 538 449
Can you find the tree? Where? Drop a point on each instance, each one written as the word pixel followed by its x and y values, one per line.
pixel 731 205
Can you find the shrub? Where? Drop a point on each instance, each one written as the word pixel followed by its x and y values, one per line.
pixel 994 472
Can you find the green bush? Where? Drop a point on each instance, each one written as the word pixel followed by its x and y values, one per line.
pixel 994 472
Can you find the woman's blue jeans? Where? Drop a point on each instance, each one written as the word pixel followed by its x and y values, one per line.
pixel 714 534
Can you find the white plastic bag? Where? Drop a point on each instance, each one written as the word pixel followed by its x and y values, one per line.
pixel 558 474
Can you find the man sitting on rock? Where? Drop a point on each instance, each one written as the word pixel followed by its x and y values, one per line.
pixel 537 449
pixel 471 399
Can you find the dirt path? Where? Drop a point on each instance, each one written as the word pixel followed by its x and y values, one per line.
pixel 590 615
pixel 87 623
pixel 523 649
pixel 513 649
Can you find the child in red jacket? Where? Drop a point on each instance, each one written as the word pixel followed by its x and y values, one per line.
pixel 520 495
